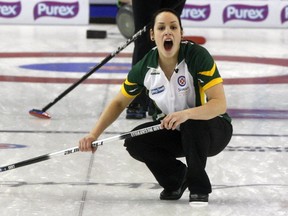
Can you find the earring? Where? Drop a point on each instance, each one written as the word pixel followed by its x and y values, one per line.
pixel 152 38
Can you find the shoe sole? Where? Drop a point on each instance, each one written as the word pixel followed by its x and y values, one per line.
pixel 198 204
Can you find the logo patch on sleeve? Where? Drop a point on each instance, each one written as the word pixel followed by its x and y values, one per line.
pixel 158 90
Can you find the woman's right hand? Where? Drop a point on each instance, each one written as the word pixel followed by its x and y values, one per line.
pixel 85 144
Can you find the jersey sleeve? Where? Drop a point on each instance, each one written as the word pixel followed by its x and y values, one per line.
pixel 206 69
pixel 133 85
pixel 130 89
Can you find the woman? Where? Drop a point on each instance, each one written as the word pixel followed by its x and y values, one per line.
pixel 185 84
pixel 143 12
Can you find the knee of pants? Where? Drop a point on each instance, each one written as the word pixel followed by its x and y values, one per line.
pixel 133 149
pixel 194 125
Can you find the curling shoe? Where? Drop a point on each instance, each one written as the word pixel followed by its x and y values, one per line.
pixel 176 194
pixel 196 200
pixel 135 111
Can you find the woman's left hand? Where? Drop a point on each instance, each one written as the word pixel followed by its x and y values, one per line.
pixel 173 120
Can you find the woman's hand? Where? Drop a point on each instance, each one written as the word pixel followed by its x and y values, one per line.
pixel 85 144
pixel 173 120
pixel 215 106
pixel 108 116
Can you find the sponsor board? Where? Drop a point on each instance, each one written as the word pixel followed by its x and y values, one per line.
pixel 243 13
pixel 196 13
pixel 70 12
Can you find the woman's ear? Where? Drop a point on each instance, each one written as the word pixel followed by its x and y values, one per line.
pixel 152 35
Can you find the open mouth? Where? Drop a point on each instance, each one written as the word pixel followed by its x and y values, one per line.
pixel 168 44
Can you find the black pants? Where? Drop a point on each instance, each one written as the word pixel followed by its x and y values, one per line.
pixel 143 12
pixel 195 141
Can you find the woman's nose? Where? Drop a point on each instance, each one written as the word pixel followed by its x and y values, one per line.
pixel 168 32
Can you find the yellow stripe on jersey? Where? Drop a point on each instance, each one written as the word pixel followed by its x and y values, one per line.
pixel 212 83
pixel 210 72
pixel 129 83
pixel 202 95
pixel 124 92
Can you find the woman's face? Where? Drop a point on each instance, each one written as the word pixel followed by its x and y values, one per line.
pixel 167 34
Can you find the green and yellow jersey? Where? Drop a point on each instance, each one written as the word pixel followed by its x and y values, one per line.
pixel 195 72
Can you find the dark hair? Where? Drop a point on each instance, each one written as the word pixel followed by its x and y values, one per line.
pixel 165 10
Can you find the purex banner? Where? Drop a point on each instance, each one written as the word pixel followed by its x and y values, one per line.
pixel 44 12
pixel 236 13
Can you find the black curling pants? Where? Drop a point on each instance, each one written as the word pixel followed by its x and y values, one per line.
pixel 195 141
